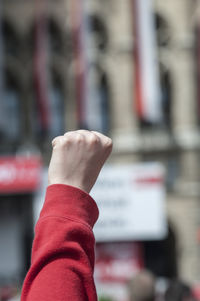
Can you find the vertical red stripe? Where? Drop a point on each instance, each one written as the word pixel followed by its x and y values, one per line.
pixel 40 65
pixel 138 80
pixel 141 255
pixel 79 60
pixel 1 54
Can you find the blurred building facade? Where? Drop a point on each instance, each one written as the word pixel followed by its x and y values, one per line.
pixel 34 110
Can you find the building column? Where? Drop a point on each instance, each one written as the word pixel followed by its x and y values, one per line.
pixel 121 72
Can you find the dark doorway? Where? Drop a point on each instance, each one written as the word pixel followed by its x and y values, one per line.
pixel 160 256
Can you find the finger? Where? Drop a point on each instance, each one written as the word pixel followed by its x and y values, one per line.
pixel 55 140
pixel 78 134
pixel 91 137
pixel 105 140
pixel 85 133
pixel 100 135
pixel 69 133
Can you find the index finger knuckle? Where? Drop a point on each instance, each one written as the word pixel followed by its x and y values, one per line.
pixel 108 143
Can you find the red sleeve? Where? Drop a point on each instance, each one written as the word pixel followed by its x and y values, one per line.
pixel 63 249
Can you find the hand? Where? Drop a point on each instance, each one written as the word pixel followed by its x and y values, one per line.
pixel 77 158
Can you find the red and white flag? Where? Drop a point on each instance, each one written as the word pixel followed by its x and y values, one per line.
pixel 89 110
pixel 2 113
pixel 1 50
pixel 147 86
pixel 40 65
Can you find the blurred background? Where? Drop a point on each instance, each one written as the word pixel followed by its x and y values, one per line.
pixel 129 69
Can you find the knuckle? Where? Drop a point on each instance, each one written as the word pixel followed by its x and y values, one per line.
pixel 61 142
pixel 108 143
pixel 94 140
pixel 66 141
pixel 79 138
pixel 68 135
pixel 82 131
pixel 56 141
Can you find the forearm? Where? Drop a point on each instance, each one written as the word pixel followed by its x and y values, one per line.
pixel 63 249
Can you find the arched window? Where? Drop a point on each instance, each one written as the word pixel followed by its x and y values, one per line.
pixel 10 111
pixel 99 32
pixel 162 31
pixel 57 40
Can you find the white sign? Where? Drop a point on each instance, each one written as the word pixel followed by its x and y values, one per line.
pixel 131 201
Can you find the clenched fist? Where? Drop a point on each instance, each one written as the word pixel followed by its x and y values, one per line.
pixel 77 158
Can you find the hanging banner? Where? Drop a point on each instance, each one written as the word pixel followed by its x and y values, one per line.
pixel 2 115
pixel 88 97
pixel 115 265
pixel 117 262
pixel 40 65
pixel 1 48
pixel 131 201
pixel 19 174
pixel 147 86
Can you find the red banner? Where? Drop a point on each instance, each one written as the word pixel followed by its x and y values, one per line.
pixel 19 174
pixel 41 64
pixel 118 262
pixel 147 82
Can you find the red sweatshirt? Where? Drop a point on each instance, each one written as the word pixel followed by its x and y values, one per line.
pixel 62 261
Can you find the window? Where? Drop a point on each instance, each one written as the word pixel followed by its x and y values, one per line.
pixel 99 33
pixel 163 40
pixel 57 112
pixel 166 95
pixel 10 121
pixel 55 37
pixel 53 111
pixel 99 36
pixel 165 83
pixel 162 31
pixel 92 88
pixel 104 99
pixel 10 39
pixel 161 255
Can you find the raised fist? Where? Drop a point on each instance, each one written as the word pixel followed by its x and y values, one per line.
pixel 77 158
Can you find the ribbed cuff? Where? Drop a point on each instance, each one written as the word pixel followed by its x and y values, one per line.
pixel 68 201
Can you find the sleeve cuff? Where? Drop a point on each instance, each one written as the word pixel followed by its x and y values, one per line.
pixel 68 201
